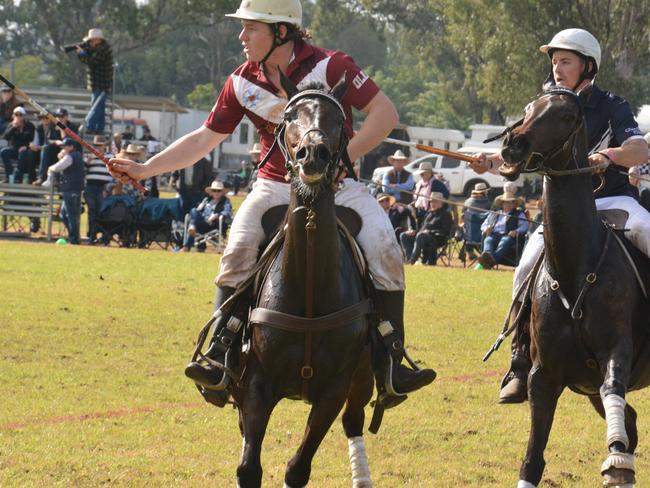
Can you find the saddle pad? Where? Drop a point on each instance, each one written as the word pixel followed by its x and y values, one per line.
pixel 615 217
pixel 273 218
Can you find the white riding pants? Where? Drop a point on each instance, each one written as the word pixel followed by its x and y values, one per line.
pixel 376 238
pixel 638 223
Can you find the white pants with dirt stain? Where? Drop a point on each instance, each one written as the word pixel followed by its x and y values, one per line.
pixel 638 225
pixel 376 238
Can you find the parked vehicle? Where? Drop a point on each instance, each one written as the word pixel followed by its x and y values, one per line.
pixel 460 176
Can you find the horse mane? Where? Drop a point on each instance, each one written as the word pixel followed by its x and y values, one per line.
pixel 314 85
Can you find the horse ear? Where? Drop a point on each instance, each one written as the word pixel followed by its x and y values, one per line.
pixel 288 86
pixel 341 87
pixel 585 94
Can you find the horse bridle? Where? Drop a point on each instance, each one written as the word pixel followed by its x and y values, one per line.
pixel 280 136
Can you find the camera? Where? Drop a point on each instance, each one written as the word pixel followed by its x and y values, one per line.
pixel 73 47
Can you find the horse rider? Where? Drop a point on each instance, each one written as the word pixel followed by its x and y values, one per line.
pixel 613 136
pixel 273 42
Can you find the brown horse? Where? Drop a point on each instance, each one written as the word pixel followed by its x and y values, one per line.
pixel 310 329
pixel 589 320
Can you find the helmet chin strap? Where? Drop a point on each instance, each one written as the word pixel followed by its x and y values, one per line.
pixel 277 41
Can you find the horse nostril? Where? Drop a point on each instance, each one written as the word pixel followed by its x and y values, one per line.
pixel 302 153
pixel 322 152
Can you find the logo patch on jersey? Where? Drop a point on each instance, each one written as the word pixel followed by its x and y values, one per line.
pixel 635 131
pixel 251 98
pixel 359 80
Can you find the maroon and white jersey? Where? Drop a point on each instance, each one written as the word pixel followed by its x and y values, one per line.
pixel 249 92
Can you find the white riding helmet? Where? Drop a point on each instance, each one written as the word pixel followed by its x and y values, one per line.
pixel 578 40
pixel 270 11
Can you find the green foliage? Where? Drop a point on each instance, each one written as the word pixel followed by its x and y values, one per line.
pixel 202 97
pixel 28 70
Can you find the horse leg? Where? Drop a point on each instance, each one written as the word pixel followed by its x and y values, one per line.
pixel 254 413
pixel 618 468
pixel 543 394
pixel 353 417
pixel 322 415
pixel 630 421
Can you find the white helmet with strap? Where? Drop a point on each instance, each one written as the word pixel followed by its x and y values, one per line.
pixel 578 40
pixel 270 11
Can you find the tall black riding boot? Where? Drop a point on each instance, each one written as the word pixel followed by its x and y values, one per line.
pixel 226 330
pixel 403 379
pixel 514 388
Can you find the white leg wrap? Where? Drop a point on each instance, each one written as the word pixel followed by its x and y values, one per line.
pixel 525 484
pixel 615 415
pixel 287 486
pixel 620 460
pixel 359 463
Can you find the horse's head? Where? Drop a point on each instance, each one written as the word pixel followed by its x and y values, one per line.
pixel 312 136
pixel 545 137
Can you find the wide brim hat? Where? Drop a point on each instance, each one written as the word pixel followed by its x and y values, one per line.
pixel 99 141
pixel 424 167
pixel 384 196
pixel 94 34
pixel 131 149
pixel 509 197
pixel 398 156
pixel 215 186
pixel 480 189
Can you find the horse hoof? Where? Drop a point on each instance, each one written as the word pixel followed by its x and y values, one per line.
pixel 618 478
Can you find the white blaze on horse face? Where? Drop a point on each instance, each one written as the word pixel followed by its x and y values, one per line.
pixel 359 463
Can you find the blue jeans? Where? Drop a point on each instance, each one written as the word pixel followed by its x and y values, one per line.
pixel 9 155
pixel 95 118
pixel 94 195
pixel 48 158
pixel 197 220
pixel 71 214
pixel 498 245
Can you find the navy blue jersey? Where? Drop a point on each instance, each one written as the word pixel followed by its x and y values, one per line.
pixel 610 122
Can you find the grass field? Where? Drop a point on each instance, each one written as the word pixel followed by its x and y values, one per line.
pixel 93 342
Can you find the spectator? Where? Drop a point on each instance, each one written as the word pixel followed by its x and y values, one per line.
pixel 116 143
pixel 45 131
pixel 71 170
pixel 644 193
pixel 136 153
pixel 146 134
pixel 433 234
pixel 478 198
pixel 97 181
pixel 509 187
pixel 424 188
pixel 19 134
pixel 539 217
pixel 207 215
pixel 8 102
pixel 51 149
pixel 402 217
pixel 398 179
pixel 255 152
pixel 96 53
pixel 190 182
pixel 501 230
pixel 127 136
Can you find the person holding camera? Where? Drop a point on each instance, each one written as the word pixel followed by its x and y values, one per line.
pixel 96 53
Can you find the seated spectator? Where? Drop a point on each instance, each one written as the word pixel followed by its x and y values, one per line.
pixel 402 217
pixel 97 181
pixel 190 182
pixel 127 136
pixel 539 217
pixel 116 143
pixel 71 170
pixel 51 149
pixel 146 134
pixel 136 153
pixel 511 188
pixel 478 199
pixel 643 192
pixel 45 131
pixel 433 234
pixel 424 188
pixel 19 134
pixel 206 216
pixel 501 230
pixel 8 102
pixel 398 182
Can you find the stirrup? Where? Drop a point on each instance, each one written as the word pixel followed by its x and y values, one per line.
pixel 228 375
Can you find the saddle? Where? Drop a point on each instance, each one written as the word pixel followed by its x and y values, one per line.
pixel 274 218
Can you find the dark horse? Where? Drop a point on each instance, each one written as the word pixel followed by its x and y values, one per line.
pixel 309 336
pixel 589 317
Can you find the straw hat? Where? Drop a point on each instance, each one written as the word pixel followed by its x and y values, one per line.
pixel 215 186
pixel 399 155
pixel 383 196
pixel 99 141
pixel 480 189
pixel 132 149
pixel 647 138
pixel 256 149
pixel 423 168
pixel 509 197
pixel 94 34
